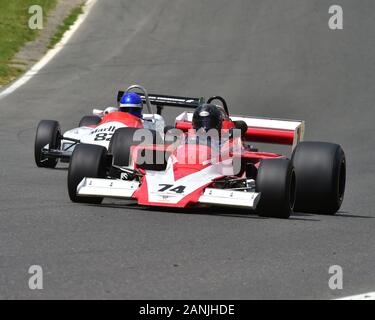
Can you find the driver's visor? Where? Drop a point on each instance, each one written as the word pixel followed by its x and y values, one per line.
pixel 135 110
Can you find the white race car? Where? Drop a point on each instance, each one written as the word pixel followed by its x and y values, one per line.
pixel 97 129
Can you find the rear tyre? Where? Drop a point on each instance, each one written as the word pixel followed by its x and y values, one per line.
pixel 48 132
pixel 276 182
pixel 123 140
pixel 321 177
pixel 88 121
pixel 87 161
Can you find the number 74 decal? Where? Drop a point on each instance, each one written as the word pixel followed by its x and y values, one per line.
pixel 171 188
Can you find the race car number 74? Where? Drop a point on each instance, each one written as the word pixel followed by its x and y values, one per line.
pixel 172 188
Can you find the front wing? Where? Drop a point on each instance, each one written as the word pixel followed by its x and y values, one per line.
pixel 122 189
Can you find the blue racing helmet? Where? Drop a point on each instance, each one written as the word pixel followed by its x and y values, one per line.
pixel 131 103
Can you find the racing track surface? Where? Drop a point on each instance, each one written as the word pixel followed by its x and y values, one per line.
pixel 270 58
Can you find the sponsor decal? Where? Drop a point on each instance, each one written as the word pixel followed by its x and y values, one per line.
pixel 104 134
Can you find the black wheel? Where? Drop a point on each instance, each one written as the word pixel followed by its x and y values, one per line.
pixel 168 128
pixel 88 121
pixel 321 175
pixel 48 132
pixel 241 125
pixel 87 161
pixel 276 181
pixel 123 140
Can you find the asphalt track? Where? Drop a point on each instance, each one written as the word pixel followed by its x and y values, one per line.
pixel 269 58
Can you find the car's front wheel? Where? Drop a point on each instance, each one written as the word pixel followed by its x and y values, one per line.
pixel 88 161
pixel 47 133
pixel 124 138
pixel 276 181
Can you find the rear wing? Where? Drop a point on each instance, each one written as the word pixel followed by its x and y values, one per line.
pixel 161 101
pixel 261 130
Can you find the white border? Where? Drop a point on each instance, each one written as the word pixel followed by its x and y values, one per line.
pixel 51 53
pixel 363 296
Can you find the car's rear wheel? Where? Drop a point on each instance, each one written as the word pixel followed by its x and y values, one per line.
pixel 47 133
pixel 88 121
pixel 88 161
pixel 321 177
pixel 276 181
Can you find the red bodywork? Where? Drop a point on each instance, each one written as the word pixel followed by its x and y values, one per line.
pixel 188 160
pixel 183 167
pixel 126 118
pixel 253 134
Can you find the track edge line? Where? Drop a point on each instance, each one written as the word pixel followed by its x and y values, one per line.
pixel 51 53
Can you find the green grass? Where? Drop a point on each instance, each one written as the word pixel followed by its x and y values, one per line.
pixel 14 32
pixel 68 22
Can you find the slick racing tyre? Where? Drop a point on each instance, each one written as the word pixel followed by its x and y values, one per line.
pixel 276 181
pixel 47 133
pixel 88 121
pixel 321 175
pixel 88 161
pixel 123 140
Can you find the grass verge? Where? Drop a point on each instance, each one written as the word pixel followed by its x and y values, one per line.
pixel 65 26
pixel 15 32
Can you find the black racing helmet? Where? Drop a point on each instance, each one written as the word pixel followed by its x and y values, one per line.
pixel 207 116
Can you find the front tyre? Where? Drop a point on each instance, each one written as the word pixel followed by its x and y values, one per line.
pixel 88 161
pixel 321 177
pixel 47 133
pixel 276 181
pixel 124 138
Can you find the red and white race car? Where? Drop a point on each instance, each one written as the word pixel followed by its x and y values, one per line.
pixel 219 171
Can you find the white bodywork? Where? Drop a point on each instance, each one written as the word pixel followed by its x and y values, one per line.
pixel 107 188
pixel 101 135
pixel 230 198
